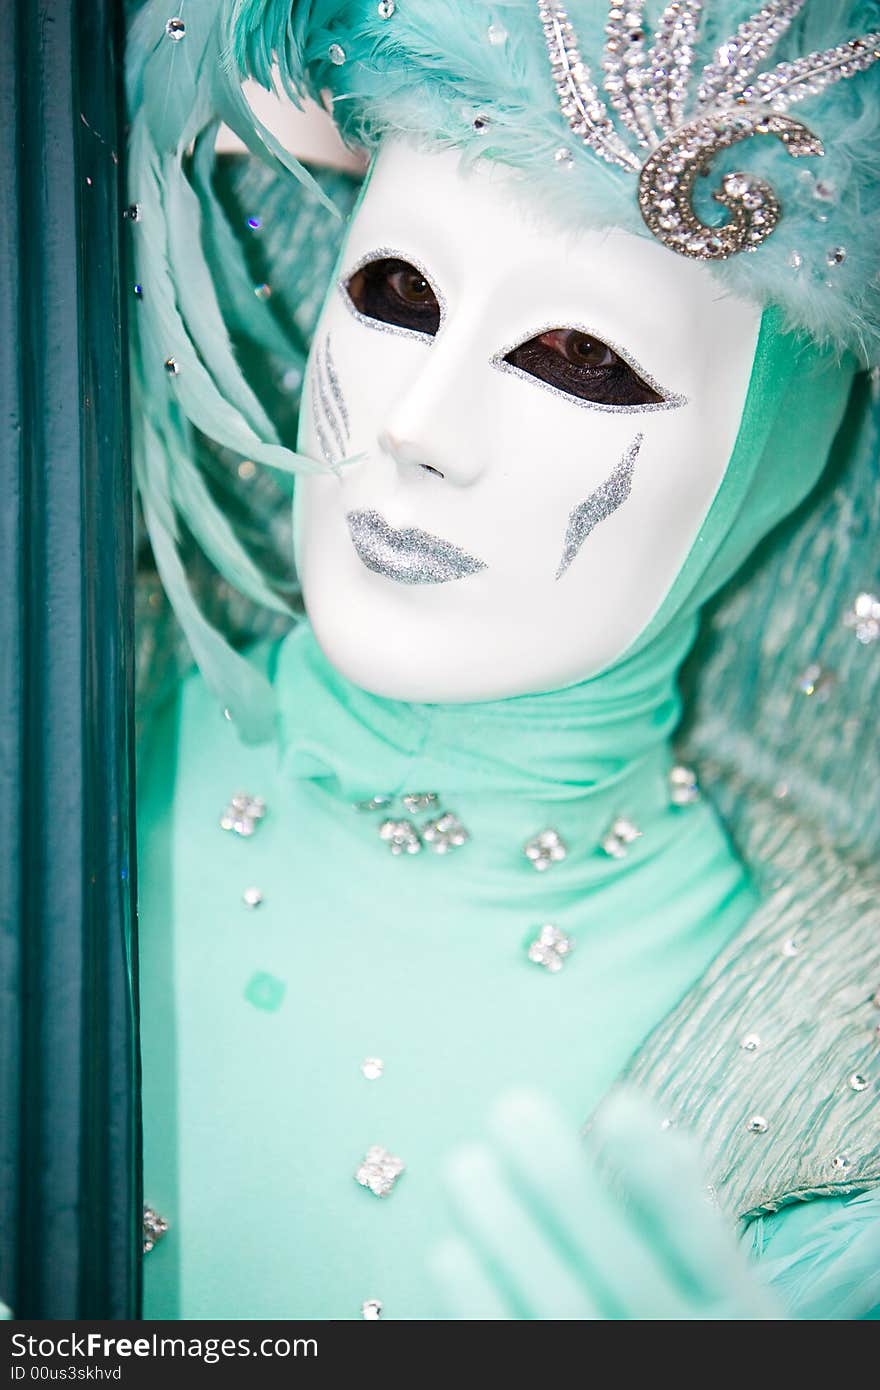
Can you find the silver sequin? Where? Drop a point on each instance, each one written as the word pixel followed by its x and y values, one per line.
pixel 243 814
pixel 683 785
pixel 550 948
pixel 401 836
pixel 444 833
pixel 864 618
pixel 600 504
pixel 544 849
pixel 379 1171
pixel 619 836
pixel 155 1227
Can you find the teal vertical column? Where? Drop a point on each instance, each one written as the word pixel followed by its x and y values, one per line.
pixel 69 1141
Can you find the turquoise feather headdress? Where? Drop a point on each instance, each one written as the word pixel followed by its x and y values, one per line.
pixel 524 82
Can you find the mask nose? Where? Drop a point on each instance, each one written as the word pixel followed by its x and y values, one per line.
pixel 406 453
pixel 434 426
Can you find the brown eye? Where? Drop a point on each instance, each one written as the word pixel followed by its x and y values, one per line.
pixel 391 290
pixel 583 366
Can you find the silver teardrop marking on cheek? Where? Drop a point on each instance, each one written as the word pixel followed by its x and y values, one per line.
pixel 666 184
pixel 600 504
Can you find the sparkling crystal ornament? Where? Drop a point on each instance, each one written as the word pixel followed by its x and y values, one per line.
pixel 668 136
pixel 864 618
pixel 401 836
pixel 444 833
pixel 544 849
pixel 376 803
pixel 683 786
pixel 836 255
pixel 132 213
pixel 372 1068
pixel 379 1171
pixel 175 30
pixel 619 836
pixel 757 1125
pixel 385 9
pixel 550 948
pixel 751 1042
pixel 172 366
pixel 817 681
pixel 420 801
pixel 336 54
pixel 840 1163
pixel 497 34
pixel 371 1309
pixel 252 897
pixel 155 1227
pixel 243 814
pixel 858 1082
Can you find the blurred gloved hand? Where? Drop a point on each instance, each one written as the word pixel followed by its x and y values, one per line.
pixel 548 1230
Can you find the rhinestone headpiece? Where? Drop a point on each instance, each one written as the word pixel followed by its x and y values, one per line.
pixel 667 134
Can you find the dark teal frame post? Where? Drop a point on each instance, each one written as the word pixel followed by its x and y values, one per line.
pixel 69 1140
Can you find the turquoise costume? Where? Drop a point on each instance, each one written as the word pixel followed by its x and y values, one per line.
pixel 308 994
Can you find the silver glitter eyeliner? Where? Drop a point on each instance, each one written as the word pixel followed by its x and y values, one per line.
pixel 410 556
pixel 670 400
pixel 390 253
pixel 336 388
pixel 600 504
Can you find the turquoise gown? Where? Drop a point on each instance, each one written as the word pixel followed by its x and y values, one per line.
pixel 266 1022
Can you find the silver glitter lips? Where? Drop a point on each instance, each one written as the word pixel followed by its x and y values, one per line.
pixel 410 556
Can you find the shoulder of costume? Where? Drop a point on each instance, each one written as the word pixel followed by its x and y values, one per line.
pixel 770 1060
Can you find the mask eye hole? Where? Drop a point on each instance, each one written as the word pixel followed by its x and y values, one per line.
pixel 392 290
pixel 580 364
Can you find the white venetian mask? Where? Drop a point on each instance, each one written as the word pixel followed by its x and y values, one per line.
pixel 543 419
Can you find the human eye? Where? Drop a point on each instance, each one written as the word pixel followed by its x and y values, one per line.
pixel 579 364
pixel 391 290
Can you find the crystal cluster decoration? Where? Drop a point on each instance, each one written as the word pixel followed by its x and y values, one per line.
pixel 683 786
pixel 155 1227
pixel 550 948
pixel 657 127
pixel 401 836
pixel 243 814
pixel 544 849
pixel 864 618
pixel 379 1171
pixel 619 836
pixel 441 834
pixel 444 833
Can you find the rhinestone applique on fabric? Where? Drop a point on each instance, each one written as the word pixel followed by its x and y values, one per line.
pixel 379 1171
pixel 551 948
pixel 544 849
pixel 243 814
